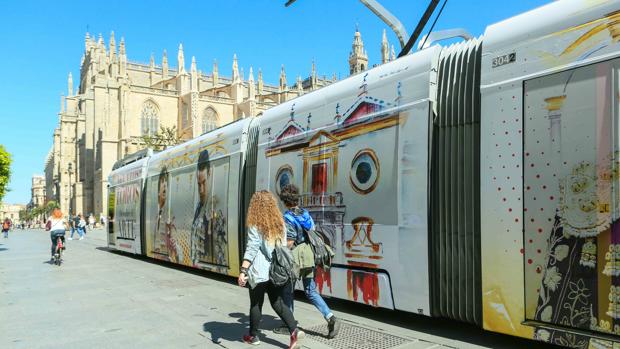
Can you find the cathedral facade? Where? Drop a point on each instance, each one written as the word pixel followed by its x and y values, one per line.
pixel 118 101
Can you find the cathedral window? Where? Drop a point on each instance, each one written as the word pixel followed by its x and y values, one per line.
pixel 149 119
pixel 209 120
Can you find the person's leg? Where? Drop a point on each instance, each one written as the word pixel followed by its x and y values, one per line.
pixel 53 243
pixel 257 297
pixel 275 298
pixel 288 296
pixel 315 298
pixel 333 324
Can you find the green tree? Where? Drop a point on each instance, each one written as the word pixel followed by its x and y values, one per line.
pixel 166 137
pixel 50 206
pixel 5 171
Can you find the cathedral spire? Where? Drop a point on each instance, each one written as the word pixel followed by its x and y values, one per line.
pixel 313 78
pixel 385 54
pixel 282 79
pixel 112 48
pixel 260 81
pixel 122 57
pixel 121 47
pixel 235 69
pixel 87 42
pixel 101 45
pixel 152 69
pixel 392 54
pixel 300 87
pixel 194 74
pixel 215 74
pixel 251 87
pixel 164 65
pixel 180 60
pixel 70 84
pixel 358 59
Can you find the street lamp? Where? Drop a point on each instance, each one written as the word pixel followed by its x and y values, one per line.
pixel 70 172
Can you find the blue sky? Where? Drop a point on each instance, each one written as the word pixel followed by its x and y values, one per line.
pixel 42 41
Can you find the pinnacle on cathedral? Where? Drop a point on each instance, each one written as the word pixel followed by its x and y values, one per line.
pixel 181 60
pixel 282 79
pixel 385 54
pixel 358 58
pixel 164 65
pixel 251 87
pixel 112 47
pixel 235 69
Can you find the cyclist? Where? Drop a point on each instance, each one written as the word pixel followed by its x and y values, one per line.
pixel 58 225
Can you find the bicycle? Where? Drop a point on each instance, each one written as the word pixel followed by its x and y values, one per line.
pixel 58 251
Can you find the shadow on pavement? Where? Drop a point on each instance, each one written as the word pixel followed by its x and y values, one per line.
pixel 3 249
pixel 234 331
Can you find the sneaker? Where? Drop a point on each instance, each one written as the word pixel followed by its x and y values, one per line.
pixel 82 238
pixel 281 330
pixel 70 238
pixel 296 339
pixel 251 339
pixel 333 327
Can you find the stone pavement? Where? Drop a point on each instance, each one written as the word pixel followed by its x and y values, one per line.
pixel 100 299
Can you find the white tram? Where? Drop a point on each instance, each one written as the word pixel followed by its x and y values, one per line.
pixel 477 182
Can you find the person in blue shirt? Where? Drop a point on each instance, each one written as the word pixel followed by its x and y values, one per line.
pixel 298 220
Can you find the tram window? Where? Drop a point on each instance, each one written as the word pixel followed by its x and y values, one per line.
pixel 111 206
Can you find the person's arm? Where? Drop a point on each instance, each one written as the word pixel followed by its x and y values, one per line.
pixel 291 235
pixel 251 250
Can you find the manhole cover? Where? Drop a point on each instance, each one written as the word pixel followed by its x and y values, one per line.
pixel 355 337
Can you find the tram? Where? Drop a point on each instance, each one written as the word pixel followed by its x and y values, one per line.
pixel 477 182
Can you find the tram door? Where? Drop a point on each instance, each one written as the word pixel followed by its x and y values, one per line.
pixel 571 206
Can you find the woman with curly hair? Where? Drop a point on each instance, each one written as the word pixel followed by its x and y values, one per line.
pixel 265 230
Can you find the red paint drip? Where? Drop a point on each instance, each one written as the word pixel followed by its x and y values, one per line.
pixel 322 277
pixel 368 283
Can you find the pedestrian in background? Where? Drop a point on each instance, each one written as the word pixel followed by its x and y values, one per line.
pixel 72 226
pixel 6 226
pixel 82 227
pixel 75 227
pixel 298 221
pixel 91 221
pixel 265 230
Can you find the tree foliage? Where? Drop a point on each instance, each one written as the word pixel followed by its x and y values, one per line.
pixel 5 170
pixel 166 137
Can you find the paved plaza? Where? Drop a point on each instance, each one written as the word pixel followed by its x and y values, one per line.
pixel 100 299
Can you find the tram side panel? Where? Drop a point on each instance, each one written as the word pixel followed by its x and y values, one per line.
pixel 191 206
pixel 358 152
pixel 124 201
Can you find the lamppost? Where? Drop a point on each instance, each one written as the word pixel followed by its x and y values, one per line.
pixel 70 172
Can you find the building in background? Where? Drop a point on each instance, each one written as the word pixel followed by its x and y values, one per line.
pixel 11 211
pixel 38 197
pixel 118 101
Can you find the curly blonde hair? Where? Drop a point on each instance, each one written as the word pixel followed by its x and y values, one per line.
pixel 265 215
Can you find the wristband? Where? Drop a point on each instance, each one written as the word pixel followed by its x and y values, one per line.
pixel 243 270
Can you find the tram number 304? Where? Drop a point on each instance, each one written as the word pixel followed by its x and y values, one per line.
pixel 125 230
pixel 504 59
